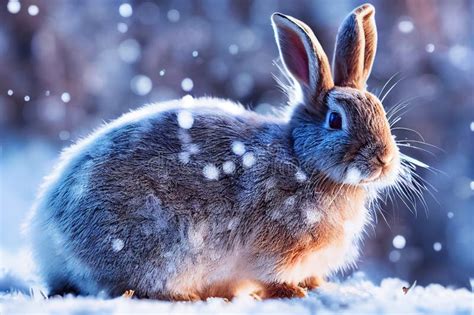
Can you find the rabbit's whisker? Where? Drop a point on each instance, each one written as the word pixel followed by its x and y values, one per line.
pixel 411 130
pixel 391 88
pixel 386 83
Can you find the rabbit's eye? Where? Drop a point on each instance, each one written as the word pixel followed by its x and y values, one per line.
pixel 335 120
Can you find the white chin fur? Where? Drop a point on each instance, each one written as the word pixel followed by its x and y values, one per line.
pixel 353 176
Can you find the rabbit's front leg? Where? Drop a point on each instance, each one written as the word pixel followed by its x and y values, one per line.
pixel 277 290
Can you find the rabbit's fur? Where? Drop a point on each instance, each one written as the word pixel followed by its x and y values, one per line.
pixel 199 197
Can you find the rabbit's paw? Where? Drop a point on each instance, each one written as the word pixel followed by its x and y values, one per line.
pixel 282 290
pixel 312 283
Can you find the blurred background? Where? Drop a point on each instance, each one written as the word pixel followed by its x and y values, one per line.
pixel 68 65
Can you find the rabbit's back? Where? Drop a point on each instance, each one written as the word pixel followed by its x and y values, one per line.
pixel 134 203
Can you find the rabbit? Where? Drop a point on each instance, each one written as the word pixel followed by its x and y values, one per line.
pixel 200 197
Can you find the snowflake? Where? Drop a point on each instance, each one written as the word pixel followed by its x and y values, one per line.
pixel 301 176
pixel 211 172
pixel 248 159
pixel 238 148
pixel 117 245
pixel 185 119
pixel 228 167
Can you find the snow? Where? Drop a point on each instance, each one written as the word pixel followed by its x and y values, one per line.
pixel 129 50
pixel 141 84
pixel 184 157
pixel 33 10
pixel 228 167
pixel 173 15
pixel 125 10
pixel 313 216
pixel 399 241
pixel 122 27
pixel 187 84
pixel 211 172
pixel 248 159
pixel 300 176
pixel 355 295
pixel 394 255
pixel 238 148
pixel 185 119
pixel 117 245
pixel 430 48
pixel 193 148
pixel 406 26
pixel 233 49
pixel 13 6
pixel 65 97
pixel 64 135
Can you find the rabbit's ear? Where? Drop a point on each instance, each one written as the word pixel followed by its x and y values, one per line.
pixel 355 48
pixel 302 55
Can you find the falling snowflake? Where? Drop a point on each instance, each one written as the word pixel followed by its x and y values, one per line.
pixel 192 148
pixel 64 135
pixel 313 216
pixel 33 10
pixel 117 245
pixel 173 15
pixel 185 119
pixel 228 167
pixel 394 255
pixel 430 48
pixel 406 26
pixel 233 49
pixel 187 84
pixel 14 6
pixel 248 159
pixel 129 50
pixel 399 242
pixel 211 172
pixel 184 136
pixel 233 223
pixel 65 97
pixel 301 176
pixel 141 84
pixel 122 27
pixel 187 101
pixel 184 157
pixel 125 10
pixel 238 148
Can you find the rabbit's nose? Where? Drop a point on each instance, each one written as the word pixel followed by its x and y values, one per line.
pixel 385 159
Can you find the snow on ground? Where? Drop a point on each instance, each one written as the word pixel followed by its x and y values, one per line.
pixel 355 295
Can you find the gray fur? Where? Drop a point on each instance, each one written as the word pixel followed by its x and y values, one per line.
pixel 161 197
